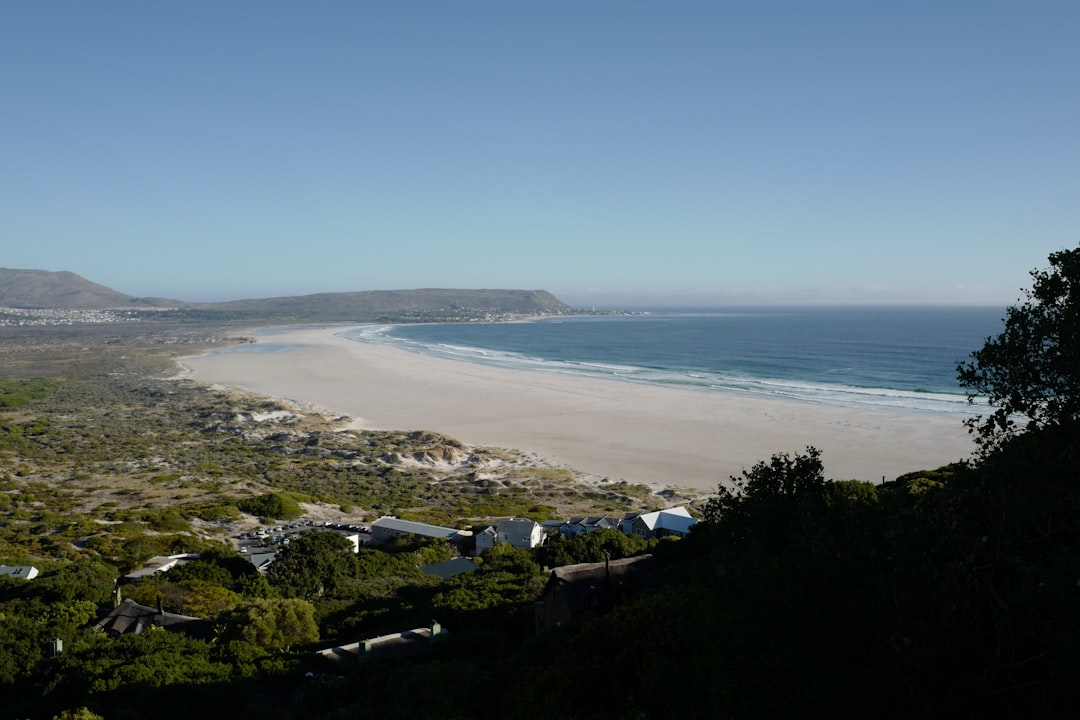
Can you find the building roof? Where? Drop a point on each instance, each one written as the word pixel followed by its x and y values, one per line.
pixel 677 519
pixel 160 563
pixel 131 617
pixel 601 570
pixel 512 524
pixel 416 528
pixel 401 644
pixel 628 575
pixel 27 572
pixel 450 568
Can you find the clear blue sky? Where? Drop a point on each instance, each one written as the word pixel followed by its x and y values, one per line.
pixel 611 152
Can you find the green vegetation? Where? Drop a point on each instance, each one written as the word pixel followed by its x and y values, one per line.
pixel 16 393
pixel 274 624
pixel 1031 371
pixel 947 592
pixel 277 506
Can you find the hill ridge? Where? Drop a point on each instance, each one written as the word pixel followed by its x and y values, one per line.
pixel 44 289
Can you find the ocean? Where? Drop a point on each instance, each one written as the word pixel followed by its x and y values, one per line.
pixel 885 358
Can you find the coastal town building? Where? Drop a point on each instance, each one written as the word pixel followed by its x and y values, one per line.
pixel 387 528
pixel 581 525
pixel 131 617
pixel 485 539
pixel 394 645
pixel 261 560
pixel 24 572
pixel 573 590
pixel 673 522
pixel 516 532
pixel 160 563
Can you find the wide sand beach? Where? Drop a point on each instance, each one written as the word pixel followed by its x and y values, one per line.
pixel 602 428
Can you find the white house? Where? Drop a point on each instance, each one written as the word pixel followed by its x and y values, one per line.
pixel 516 532
pixel 26 572
pixel 660 523
pixel 519 532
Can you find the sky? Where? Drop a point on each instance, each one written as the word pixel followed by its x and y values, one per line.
pixel 622 152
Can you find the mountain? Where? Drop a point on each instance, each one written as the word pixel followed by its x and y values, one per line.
pixel 41 289
pixel 427 303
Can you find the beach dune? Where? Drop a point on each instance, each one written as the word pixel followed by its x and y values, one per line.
pixel 607 429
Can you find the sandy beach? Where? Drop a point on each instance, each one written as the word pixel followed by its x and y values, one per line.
pixel 606 429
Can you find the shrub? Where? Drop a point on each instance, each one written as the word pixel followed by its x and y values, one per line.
pixel 280 506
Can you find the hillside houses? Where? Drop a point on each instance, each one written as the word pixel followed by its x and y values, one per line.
pixel 581 525
pixel 672 522
pixel 516 532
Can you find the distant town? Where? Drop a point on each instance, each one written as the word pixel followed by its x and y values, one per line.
pixel 24 317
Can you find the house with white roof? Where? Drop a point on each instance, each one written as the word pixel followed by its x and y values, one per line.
pixel 673 522
pixel 159 563
pixel 25 572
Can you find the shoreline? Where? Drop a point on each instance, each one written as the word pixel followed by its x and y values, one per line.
pixel 603 429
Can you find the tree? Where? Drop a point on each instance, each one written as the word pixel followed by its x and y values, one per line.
pixel 82 713
pixel 315 564
pixel 275 624
pixel 766 504
pixel 507 578
pixel 280 506
pixel 589 547
pixel 1032 369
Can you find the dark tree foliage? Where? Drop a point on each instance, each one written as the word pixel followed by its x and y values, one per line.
pixel 313 565
pixel 589 547
pixel 765 504
pixel 1032 369
pixel 274 624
